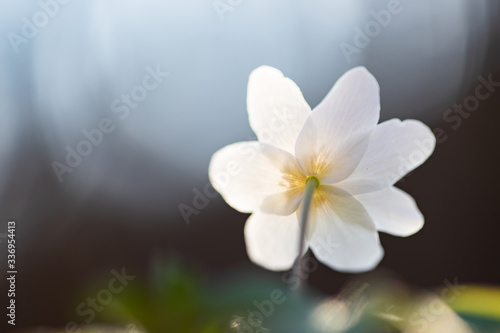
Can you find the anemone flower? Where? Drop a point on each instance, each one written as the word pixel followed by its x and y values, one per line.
pixel 322 178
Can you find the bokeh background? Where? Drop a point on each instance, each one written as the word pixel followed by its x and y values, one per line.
pixel 120 206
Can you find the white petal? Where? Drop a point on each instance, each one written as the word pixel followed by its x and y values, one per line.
pixel 272 241
pixel 323 158
pixel 276 108
pixel 283 203
pixel 393 211
pixel 245 173
pixel 344 237
pixel 396 147
pixel 335 136
pixel 353 104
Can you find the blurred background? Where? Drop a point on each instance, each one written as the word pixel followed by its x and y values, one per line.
pixel 167 80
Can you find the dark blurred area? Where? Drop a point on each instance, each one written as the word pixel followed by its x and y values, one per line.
pixel 119 207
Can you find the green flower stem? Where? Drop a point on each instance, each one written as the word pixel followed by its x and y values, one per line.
pixel 312 184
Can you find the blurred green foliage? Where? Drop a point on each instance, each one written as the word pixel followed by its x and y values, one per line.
pixel 178 299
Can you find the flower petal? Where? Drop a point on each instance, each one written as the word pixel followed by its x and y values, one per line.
pixel 283 203
pixel 245 173
pixel 272 241
pixel 276 108
pixel 344 236
pixel 396 147
pixel 393 211
pixel 336 134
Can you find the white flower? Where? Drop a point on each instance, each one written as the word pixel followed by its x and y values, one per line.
pixel 356 161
